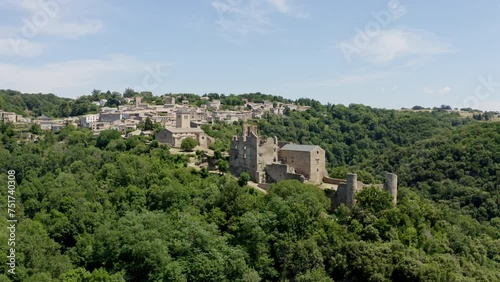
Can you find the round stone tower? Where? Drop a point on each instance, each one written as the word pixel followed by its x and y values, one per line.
pixel 391 186
pixel 351 188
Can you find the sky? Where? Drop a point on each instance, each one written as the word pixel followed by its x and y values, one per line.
pixel 385 54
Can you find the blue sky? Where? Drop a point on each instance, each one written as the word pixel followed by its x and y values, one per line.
pixel 388 54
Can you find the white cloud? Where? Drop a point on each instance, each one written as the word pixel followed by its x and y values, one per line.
pixel 252 16
pixel 392 44
pixel 59 18
pixel 445 90
pixel 73 78
pixel 442 91
pixel 280 5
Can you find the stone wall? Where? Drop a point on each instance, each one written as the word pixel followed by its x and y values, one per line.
pixel 334 181
pixel 165 137
pixel 318 166
pixel 311 164
pixel 280 172
pixel 346 190
pixel 204 140
pixel 299 160
pixel 111 117
pixel 391 186
pixel 243 156
pixel 174 139
pixel 339 197
pixel 182 120
pixel 250 154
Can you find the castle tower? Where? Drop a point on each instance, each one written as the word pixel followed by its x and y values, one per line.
pixel 248 129
pixel 183 119
pixel 352 188
pixel 391 186
pixel 138 101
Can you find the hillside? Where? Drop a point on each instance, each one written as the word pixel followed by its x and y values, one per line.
pixel 104 208
pixel 460 167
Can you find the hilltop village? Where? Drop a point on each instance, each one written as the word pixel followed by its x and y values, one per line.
pixel 178 117
pixel 265 160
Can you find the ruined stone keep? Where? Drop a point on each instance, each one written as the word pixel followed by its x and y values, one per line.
pixel 269 161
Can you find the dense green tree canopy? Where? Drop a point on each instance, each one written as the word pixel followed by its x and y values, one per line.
pixel 188 144
pixel 105 208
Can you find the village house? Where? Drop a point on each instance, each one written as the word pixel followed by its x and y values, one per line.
pixel 87 120
pixel 214 104
pixel 8 117
pixel 111 117
pixel 169 102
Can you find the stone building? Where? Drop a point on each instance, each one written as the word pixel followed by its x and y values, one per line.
pixel 112 117
pixel 87 120
pixel 169 102
pixel 308 160
pixel 266 161
pixel 249 153
pixel 174 135
pixel 8 117
pixel 269 161
pixel 183 119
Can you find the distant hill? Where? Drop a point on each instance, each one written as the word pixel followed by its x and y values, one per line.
pixel 36 104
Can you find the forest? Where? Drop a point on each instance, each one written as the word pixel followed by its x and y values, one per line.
pixel 104 208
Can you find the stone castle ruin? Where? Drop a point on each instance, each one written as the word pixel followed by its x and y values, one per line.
pixel 346 190
pixel 271 161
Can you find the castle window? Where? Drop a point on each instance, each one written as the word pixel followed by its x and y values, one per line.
pixel 317 152
pixel 244 156
pixel 244 147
